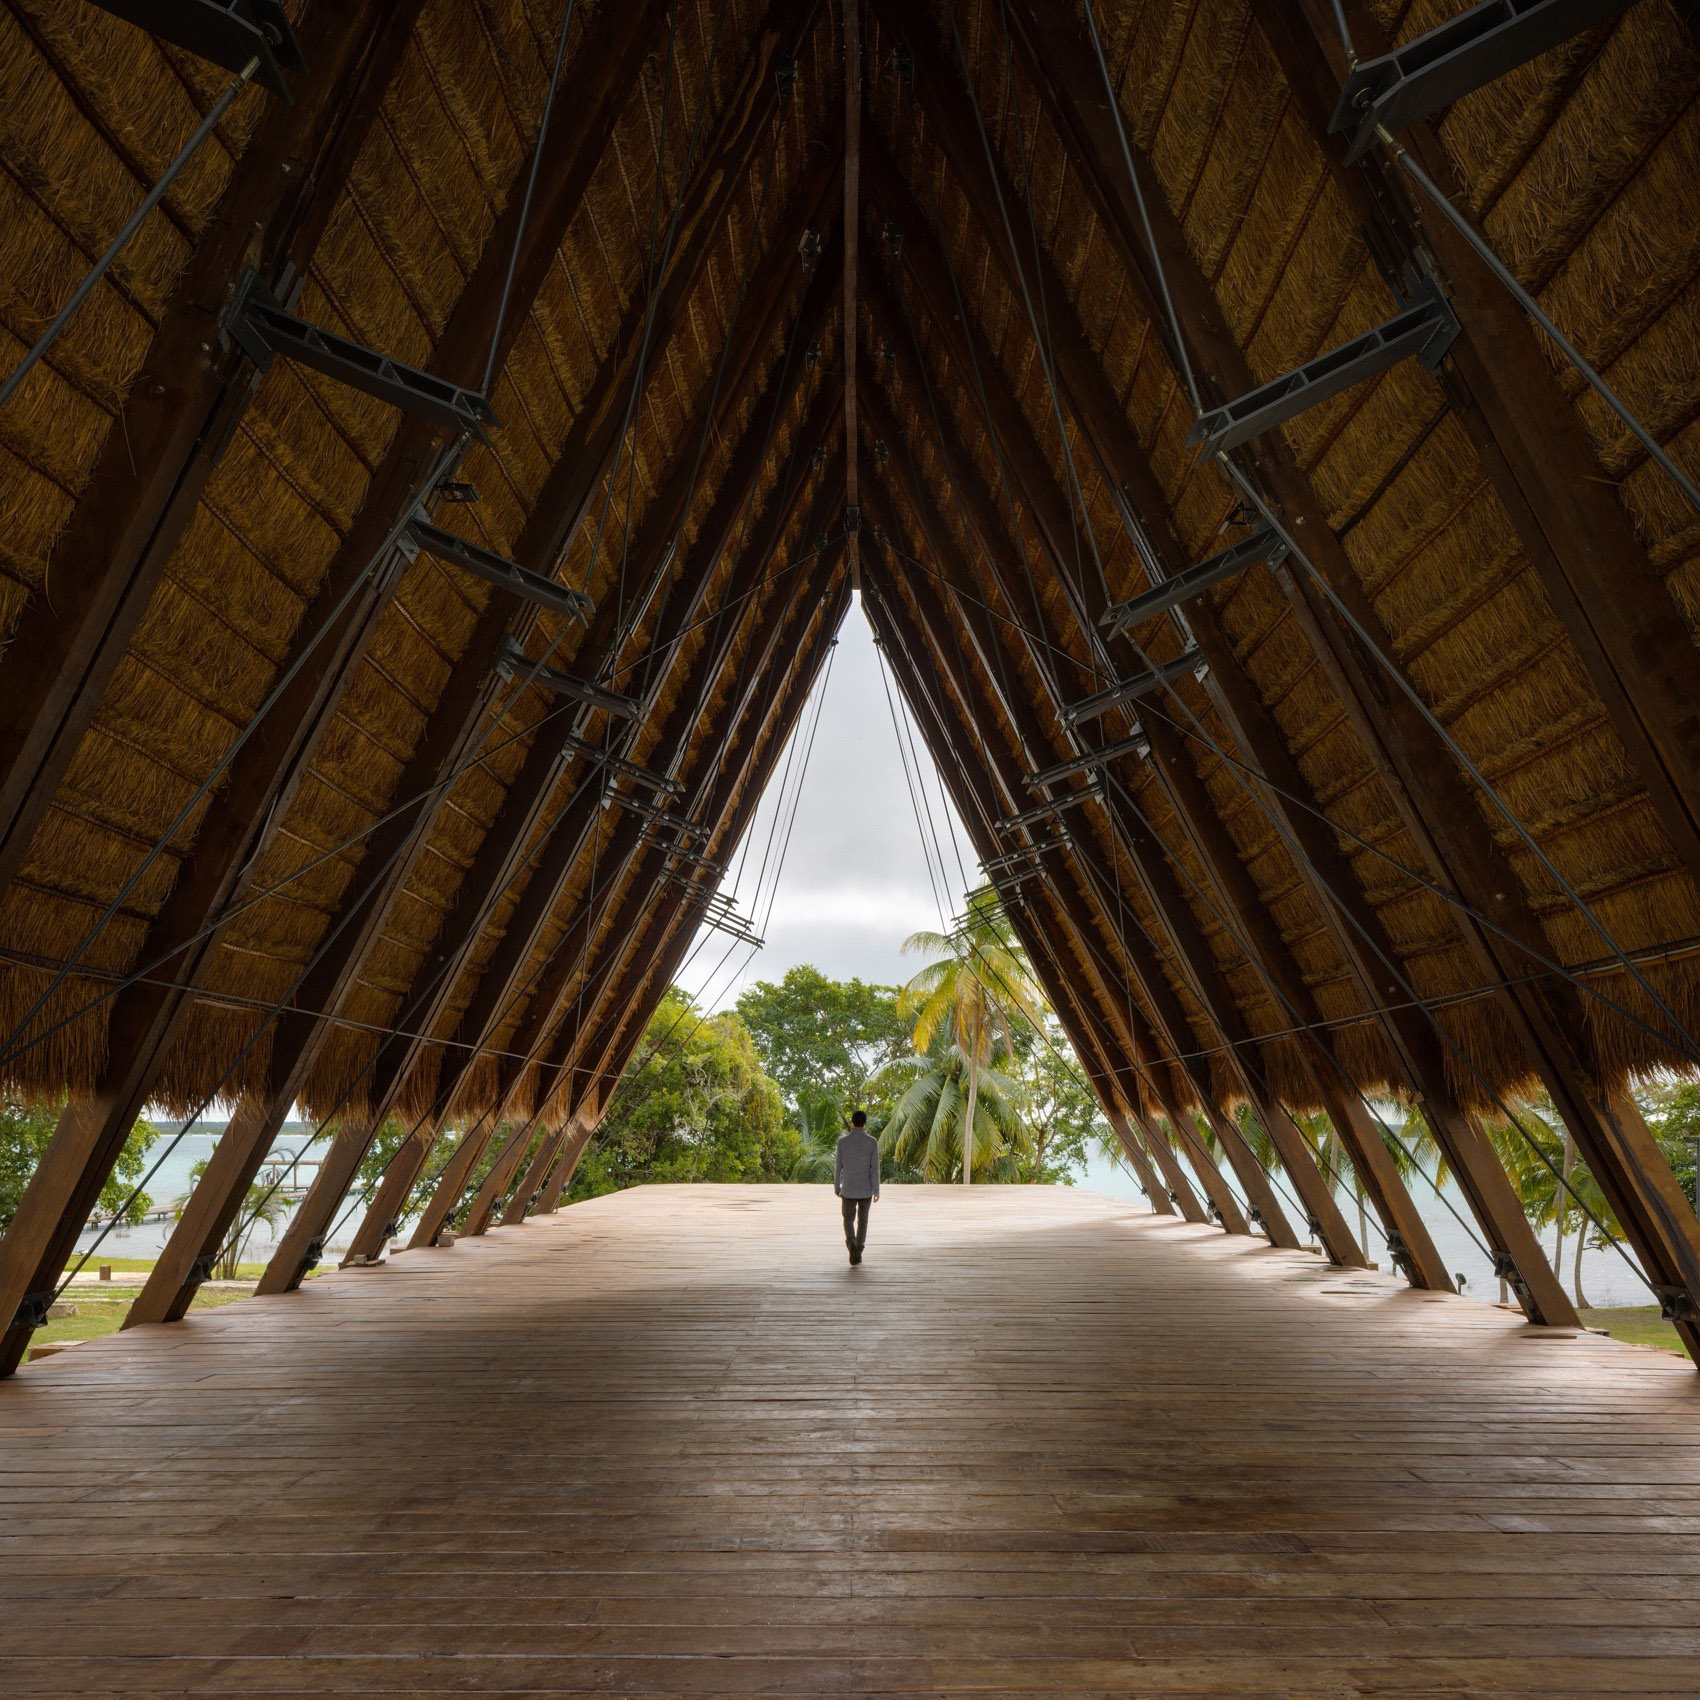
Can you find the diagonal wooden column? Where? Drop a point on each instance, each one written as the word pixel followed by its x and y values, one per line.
pixel 980 711
pixel 1092 1043
pixel 298 1248
pixel 500 856
pixel 986 639
pixel 1104 429
pixel 266 772
pixel 1421 778
pixel 1020 456
pixel 636 933
pixel 185 400
pixel 1615 607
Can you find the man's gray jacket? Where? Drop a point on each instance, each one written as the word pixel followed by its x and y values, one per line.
pixel 856 1172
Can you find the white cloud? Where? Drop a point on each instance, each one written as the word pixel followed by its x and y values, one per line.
pixel 855 882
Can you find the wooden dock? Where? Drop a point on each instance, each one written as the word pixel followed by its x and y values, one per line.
pixel 670 1443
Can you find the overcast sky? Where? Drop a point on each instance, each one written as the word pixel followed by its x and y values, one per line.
pixel 854 883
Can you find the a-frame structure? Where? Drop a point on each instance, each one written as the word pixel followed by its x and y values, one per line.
pixel 420 543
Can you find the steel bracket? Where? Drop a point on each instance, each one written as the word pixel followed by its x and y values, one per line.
pixel 1263 545
pixel 496 569
pixel 32 1311
pixel 1140 685
pixel 228 32
pixel 260 327
pixel 624 769
pixel 1138 745
pixel 1044 811
pixel 512 664
pixel 1451 61
pixel 655 817
pixel 1676 1304
pixel 1424 326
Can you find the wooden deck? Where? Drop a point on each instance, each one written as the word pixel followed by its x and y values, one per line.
pixel 669 1443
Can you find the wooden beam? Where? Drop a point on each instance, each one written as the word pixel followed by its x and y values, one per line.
pixel 237 827
pixel 186 398
pixel 986 639
pixel 1103 426
pixel 1407 755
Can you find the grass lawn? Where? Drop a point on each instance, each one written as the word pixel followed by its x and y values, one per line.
pixel 1639 1325
pixel 144 1266
pixel 102 1314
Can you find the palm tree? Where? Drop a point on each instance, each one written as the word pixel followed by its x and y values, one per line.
pixel 821 1123
pixel 930 1120
pixel 976 983
pixel 263 1204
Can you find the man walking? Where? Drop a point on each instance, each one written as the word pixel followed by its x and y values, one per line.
pixel 856 1180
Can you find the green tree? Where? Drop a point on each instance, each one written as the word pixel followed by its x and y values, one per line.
pixel 1672 1109
pixel 26 1129
pixel 696 1105
pixel 1063 1121
pixel 823 1039
pixel 976 985
pixel 817 1150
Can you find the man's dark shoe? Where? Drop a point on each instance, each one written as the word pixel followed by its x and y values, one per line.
pixel 855 1254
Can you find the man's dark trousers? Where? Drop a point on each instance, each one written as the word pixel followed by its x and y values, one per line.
pixel 856 1222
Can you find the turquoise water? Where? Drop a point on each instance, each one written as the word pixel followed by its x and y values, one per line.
pixel 172 1182
pixel 1606 1278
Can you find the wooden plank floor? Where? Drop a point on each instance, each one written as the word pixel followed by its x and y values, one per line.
pixel 669 1443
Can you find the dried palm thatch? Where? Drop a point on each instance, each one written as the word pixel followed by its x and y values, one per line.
pixel 428 916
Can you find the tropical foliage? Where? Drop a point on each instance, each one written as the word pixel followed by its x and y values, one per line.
pixel 969 996
pixel 695 1105
pixel 26 1129
pixel 825 1040
pixel 925 1129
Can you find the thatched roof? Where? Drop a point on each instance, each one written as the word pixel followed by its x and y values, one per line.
pixel 1424 497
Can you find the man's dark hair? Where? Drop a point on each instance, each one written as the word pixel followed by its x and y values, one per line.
pixel 859 1119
